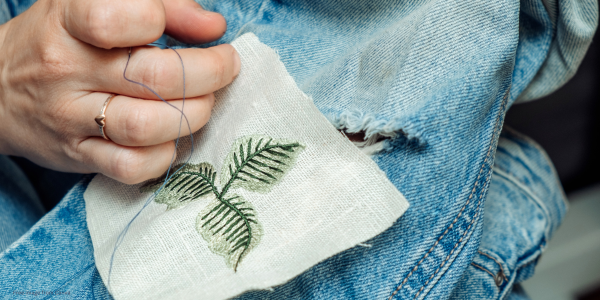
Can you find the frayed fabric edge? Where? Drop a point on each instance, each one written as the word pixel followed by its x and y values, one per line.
pixel 379 133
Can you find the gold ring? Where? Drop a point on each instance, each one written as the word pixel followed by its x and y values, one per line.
pixel 101 118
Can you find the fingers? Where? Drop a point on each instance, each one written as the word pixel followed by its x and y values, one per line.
pixel 206 70
pixel 115 23
pixel 136 122
pixel 129 165
pixel 189 23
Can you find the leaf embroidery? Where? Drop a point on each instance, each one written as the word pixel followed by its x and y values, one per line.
pixel 229 223
pixel 230 228
pixel 192 182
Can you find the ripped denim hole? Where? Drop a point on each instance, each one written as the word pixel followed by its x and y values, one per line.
pixel 371 145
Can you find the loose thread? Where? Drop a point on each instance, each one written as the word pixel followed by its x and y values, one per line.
pixel 123 233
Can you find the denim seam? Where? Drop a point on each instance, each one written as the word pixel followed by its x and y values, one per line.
pixel 511 178
pixel 495 133
pixel 535 255
pixel 458 242
pixel 496 261
pixel 488 180
pixel 484 269
pixel 443 234
pixel 508 287
pixel 523 263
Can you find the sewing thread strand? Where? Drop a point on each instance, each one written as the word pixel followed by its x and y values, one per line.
pixel 123 233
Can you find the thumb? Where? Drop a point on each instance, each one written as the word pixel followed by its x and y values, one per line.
pixel 188 22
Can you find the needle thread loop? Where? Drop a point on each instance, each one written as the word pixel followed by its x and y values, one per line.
pixel 123 233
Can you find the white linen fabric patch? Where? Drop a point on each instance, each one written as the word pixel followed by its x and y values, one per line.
pixel 271 189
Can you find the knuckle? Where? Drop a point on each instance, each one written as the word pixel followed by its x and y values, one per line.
pixel 154 18
pixel 138 124
pixel 164 77
pixel 105 22
pixel 127 166
pixel 54 64
pixel 101 27
pixel 160 76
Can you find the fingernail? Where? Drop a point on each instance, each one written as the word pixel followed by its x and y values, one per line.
pixel 237 64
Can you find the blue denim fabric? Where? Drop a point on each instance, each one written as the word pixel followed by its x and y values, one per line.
pixel 20 206
pixel 438 74
pixel 571 23
pixel 525 205
pixel 55 258
pixel 12 8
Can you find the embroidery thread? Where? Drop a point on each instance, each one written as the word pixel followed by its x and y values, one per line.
pixel 229 223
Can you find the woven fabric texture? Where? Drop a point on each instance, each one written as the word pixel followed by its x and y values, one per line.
pixel 331 197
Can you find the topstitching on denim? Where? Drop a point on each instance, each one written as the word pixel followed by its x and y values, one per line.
pixel 511 279
pixel 498 278
pixel 331 277
pixel 515 225
pixel 485 187
pixel 490 150
pixel 510 274
pixel 504 275
pixel 502 271
pixel 467 231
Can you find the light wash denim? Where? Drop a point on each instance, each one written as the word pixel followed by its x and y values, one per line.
pixel 440 75
pixel 524 206
pixel 523 209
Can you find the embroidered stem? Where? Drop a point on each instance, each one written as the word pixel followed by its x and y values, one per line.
pixel 248 227
pixel 211 181
pixel 231 229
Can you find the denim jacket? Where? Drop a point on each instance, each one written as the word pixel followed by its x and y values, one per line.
pixel 434 78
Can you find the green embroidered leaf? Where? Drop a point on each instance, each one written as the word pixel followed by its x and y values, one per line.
pixel 191 183
pixel 256 162
pixel 230 227
pixel 229 223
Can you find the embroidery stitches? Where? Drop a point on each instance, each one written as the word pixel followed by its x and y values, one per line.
pixel 229 223
pixel 192 182
pixel 230 228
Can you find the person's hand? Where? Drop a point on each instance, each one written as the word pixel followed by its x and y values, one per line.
pixel 61 59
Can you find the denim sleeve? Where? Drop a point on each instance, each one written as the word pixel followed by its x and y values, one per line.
pixel 569 25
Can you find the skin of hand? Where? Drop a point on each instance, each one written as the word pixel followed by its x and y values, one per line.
pixel 60 60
